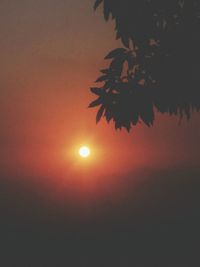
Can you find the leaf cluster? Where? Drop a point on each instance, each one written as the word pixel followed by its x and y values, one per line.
pixel 159 66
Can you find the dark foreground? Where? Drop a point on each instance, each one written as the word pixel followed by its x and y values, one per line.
pixel 158 226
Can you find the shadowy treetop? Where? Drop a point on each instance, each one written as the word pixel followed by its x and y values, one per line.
pixel 158 65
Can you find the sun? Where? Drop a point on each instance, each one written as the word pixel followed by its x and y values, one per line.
pixel 84 152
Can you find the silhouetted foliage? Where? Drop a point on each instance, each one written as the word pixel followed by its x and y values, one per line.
pixel 158 67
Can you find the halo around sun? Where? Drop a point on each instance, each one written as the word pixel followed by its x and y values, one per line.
pixel 84 152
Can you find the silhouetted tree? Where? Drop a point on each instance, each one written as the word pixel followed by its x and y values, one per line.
pixel 158 67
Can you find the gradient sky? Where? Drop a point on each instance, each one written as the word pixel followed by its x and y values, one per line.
pixel 51 53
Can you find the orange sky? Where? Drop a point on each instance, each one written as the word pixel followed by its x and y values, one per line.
pixel 51 52
pixel 135 202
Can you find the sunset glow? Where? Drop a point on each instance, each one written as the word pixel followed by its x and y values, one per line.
pixel 84 152
pixel 77 188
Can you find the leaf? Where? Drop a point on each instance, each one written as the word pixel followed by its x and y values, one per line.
pixel 118 124
pixel 108 115
pixel 97 4
pixel 105 71
pixel 100 113
pixel 134 118
pixel 107 10
pixel 116 52
pixel 95 103
pixel 107 85
pixel 125 41
pixel 147 116
pixel 96 91
pixel 102 78
pixel 127 125
pixel 117 65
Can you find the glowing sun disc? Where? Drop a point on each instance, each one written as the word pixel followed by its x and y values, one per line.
pixel 84 152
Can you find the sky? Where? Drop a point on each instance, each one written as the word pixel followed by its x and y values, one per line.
pixel 51 53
